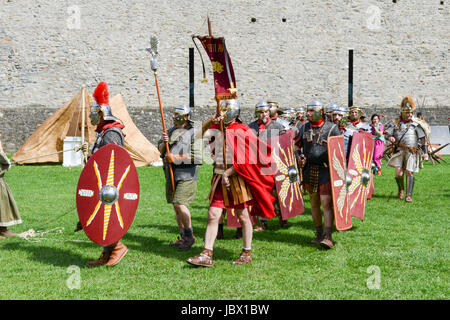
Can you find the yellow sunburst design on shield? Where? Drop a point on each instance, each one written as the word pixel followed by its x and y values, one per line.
pixel 284 161
pixel 342 192
pixel 108 206
pixel 361 163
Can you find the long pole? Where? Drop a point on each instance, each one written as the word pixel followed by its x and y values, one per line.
pixel 83 124
pixel 191 78
pixel 165 130
pixel 350 78
pixel 222 128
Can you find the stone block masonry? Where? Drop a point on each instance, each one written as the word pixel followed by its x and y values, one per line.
pixel 292 51
pixel 17 124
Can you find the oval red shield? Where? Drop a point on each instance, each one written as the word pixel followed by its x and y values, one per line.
pixel 107 195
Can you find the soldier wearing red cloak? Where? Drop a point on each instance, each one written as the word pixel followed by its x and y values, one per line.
pixel 244 180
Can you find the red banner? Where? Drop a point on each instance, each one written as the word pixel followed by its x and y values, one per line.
pixel 224 80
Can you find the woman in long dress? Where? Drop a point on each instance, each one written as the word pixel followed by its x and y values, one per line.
pixel 377 134
pixel 9 215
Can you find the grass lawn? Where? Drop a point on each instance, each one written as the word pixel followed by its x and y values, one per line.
pixel 404 246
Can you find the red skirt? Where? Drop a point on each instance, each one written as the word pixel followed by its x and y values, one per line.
pixel 324 188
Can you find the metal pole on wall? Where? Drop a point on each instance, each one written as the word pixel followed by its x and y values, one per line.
pixel 350 78
pixel 191 78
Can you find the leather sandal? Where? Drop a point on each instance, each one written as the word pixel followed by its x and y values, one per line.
pixel 204 259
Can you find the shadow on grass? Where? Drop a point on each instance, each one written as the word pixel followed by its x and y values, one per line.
pixel 161 248
pixel 50 255
pixel 390 196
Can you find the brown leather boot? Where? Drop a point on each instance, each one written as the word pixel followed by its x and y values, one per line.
pixel 6 233
pixel 327 241
pixel 244 258
pixel 204 259
pixel 177 243
pixel 319 235
pixel 119 251
pixel 188 241
pixel 100 261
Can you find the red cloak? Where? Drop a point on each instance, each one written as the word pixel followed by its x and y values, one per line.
pixel 252 161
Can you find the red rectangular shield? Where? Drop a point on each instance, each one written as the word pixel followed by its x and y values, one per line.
pixel 287 176
pixel 359 167
pixel 338 177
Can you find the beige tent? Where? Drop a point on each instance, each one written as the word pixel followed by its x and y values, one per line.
pixel 47 142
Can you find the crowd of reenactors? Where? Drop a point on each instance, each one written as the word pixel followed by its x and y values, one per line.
pixel 244 183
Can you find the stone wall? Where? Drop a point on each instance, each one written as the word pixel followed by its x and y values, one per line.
pixel 292 51
pixel 17 124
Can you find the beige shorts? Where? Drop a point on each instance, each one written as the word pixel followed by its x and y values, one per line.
pixel 406 160
pixel 184 192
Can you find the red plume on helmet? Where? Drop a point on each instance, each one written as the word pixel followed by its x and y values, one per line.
pixel 101 94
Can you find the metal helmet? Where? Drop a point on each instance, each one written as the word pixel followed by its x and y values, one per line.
pixel 273 107
pixel 289 115
pixel 331 107
pixel 354 118
pixel 407 105
pixel 343 111
pixel 231 108
pixel 317 107
pixel 180 112
pixel 298 111
pixel 101 104
pixel 261 106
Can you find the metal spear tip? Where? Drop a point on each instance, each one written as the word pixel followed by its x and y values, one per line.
pixel 154 43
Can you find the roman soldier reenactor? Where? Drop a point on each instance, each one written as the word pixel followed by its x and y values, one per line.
pixel 237 185
pixel 184 159
pixel 108 131
pixel 408 139
pixel 265 128
pixel 312 140
pixel 329 109
pixel 300 117
pixel 340 115
pixel 274 114
pixel 354 124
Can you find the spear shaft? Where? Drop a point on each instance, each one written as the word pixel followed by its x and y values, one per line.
pixel 154 66
pixel 165 131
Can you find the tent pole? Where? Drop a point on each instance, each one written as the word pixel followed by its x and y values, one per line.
pixel 83 120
